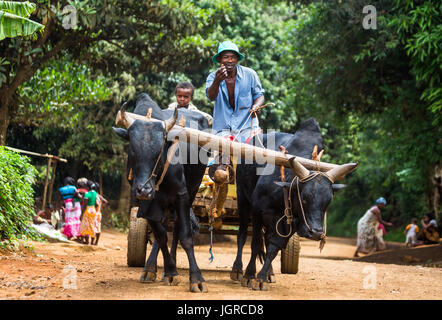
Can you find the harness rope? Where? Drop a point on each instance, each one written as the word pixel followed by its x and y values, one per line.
pixel 288 210
pixel 154 175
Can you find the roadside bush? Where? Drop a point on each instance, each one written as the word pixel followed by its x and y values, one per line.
pixel 16 197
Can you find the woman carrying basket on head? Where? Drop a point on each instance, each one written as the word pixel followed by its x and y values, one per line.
pixel 71 216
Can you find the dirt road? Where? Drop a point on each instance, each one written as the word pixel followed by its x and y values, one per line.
pixel 74 271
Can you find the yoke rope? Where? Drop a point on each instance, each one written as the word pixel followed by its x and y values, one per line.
pixel 288 210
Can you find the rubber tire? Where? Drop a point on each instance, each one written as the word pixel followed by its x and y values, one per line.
pixel 290 256
pixel 136 240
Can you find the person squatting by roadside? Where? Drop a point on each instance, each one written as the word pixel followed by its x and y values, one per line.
pixel 368 235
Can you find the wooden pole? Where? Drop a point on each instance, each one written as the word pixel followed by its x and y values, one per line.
pixel 245 151
pixel 51 185
pixel 46 184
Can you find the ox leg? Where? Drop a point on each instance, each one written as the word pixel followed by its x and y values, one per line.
pixel 170 271
pixel 175 239
pixel 197 282
pixel 262 282
pixel 243 211
pixel 257 248
pixel 271 275
pixel 149 273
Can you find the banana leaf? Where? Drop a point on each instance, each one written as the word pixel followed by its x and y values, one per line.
pixel 22 9
pixel 14 19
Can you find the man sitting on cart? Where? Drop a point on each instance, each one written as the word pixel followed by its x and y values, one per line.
pixel 238 93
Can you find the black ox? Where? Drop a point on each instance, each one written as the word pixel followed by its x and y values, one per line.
pixel 148 149
pixel 261 197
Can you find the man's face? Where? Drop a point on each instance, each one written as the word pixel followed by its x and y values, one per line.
pixel 229 59
pixel 183 97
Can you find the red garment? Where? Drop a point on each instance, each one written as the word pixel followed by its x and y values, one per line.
pixel 83 192
pixel 381 226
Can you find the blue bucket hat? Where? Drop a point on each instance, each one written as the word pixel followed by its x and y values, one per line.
pixel 227 46
pixel 381 200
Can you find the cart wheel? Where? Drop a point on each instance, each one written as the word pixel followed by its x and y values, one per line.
pixel 290 256
pixel 136 240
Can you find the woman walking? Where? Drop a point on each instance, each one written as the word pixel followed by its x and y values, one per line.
pixel 88 227
pixel 101 202
pixel 368 235
pixel 71 216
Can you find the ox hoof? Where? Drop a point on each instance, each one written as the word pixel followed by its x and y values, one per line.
pixel 246 282
pixel 254 284
pixel 236 275
pixel 272 278
pixel 148 277
pixel 199 287
pixel 259 285
pixel 172 280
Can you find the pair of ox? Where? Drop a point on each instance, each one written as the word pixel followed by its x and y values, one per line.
pixel 260 197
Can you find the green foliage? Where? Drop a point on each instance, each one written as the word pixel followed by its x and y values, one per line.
pixel 116 220
pixel 65 89
pixel 418 27
pixel 16 196
pixel 14 20
pixel 375 93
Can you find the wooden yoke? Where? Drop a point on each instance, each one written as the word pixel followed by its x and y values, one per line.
pixel 245 151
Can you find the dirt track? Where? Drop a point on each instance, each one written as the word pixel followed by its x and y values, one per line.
pixel 101 273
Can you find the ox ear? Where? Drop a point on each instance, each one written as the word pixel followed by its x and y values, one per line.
pixel 281 184
pixel 337 186
pixel 122 133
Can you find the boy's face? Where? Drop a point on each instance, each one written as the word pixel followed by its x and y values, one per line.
pixel 183 97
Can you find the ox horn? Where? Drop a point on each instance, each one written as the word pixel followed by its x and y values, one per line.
pixel 298 169
pixel 122 118
pixel 339 172
pixel 169 123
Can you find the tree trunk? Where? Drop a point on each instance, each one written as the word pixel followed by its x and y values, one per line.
pixel 437 190
pixel 4 116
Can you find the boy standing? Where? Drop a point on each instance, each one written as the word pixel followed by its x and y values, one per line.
pixel 413 229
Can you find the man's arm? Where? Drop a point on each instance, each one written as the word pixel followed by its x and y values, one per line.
pixel 256 104
pixel 257 93
pixel 213 90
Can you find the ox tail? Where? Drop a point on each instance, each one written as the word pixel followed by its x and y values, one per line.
pixel 194 223
pixel 259 242
pixel 261 252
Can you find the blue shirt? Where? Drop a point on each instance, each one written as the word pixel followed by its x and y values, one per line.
pixel 247 89
pixel 67 192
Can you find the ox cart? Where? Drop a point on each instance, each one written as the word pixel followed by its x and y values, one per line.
pixel 138 233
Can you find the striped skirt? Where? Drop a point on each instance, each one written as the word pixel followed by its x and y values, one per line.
pixel 72 218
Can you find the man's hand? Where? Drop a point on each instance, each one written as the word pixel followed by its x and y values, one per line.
pixel 221 74
pixel 254 111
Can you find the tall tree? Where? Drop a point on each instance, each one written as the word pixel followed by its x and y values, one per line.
pixel 149 31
